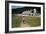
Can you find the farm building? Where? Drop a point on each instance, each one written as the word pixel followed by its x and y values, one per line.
pixel 27 11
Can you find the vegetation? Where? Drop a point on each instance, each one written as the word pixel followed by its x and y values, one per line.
pixel 32 21
pixel 20 10
pixel 16 20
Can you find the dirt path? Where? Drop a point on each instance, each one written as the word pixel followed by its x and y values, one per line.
pixel 24 25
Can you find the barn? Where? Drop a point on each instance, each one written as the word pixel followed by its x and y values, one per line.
pixel 27 11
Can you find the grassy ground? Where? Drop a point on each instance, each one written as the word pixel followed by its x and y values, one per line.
pixel 16 20
pixel 32 21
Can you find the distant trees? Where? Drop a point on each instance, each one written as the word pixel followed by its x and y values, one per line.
pixel 20 10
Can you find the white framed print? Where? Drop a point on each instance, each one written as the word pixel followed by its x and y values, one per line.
pixel 24 16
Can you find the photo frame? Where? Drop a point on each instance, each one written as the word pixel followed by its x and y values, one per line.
pixel 24 16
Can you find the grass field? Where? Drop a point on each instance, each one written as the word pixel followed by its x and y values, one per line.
pixel 16 20
pixel 32 21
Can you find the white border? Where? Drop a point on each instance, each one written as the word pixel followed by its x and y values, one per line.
pixel 26 28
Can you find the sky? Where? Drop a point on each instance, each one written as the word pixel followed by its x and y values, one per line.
pixel 15 7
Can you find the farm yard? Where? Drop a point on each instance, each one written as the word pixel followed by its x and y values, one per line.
pixel 29 21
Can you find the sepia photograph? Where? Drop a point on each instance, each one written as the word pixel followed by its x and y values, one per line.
pixel 26 16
